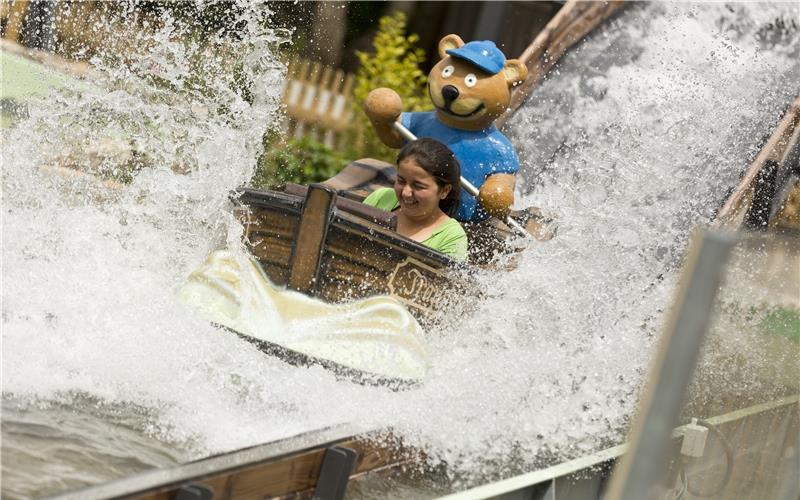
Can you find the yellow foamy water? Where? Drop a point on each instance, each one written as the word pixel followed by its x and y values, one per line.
pixel 376 335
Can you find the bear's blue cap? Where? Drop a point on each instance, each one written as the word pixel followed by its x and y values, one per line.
pixel 483 54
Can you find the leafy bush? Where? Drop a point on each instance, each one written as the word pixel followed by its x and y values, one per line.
pixel 302 161
pixel 394 64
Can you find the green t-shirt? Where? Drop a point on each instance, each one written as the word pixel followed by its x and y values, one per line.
pixel 449 238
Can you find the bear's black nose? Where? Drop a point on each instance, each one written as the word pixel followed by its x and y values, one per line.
pixel 449 93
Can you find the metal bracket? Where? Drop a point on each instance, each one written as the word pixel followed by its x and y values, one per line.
pixel 337 464
pixel 194 491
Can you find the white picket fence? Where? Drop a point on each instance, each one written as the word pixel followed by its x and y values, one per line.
pixel 318 102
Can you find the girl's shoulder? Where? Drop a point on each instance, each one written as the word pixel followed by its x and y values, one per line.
pixel 450 239
pixel 451 227
pixel 383 198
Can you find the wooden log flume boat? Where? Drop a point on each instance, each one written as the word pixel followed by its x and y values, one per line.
pixel 328 281
pixel 327 246
pixel 321 241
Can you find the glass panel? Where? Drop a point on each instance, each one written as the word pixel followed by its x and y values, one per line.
pixel 746 382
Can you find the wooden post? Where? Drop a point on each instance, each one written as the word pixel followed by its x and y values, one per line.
pixel 305 111
pixel 310 238
pixel 322 103
pixel 335 117
pixel 19 9
pixel 293 95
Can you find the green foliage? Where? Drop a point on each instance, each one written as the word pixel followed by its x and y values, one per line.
pixel 395 64
pixel 301 161
pixel 783 321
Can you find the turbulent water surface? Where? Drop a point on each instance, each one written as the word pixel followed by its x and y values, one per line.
pixel 631 142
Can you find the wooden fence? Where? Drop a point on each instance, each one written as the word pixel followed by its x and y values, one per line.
pixel 318 102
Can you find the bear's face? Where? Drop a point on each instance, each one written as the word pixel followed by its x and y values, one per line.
pixel 465 96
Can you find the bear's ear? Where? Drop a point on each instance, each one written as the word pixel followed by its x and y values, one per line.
pixel 515 72
pixel 447 43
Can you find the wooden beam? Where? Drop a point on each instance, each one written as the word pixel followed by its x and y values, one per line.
pixel 572 22
pixel 310 238
pixel 278 469
pixel 372 214
pixel 774 151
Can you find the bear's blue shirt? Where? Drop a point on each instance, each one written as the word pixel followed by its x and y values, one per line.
pixel 481 153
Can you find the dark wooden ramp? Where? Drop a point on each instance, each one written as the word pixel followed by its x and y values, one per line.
pixel 317 463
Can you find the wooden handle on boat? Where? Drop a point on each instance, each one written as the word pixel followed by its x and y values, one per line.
pixel 467 185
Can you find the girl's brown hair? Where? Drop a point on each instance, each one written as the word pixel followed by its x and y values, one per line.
pixel 437 159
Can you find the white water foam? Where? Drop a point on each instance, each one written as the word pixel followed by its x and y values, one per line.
pixel 631 142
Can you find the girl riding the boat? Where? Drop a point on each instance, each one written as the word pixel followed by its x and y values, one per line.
pixel 425 196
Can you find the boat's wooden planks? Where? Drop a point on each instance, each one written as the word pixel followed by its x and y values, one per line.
pixel 385 270
pixel 361 249
pixel 278 274
pixel 16 18
pixel 367 212
pixel 271 220
pixel 341 289
pixel 359 228
pixel 272 224
pixel 269 199
pixel 269 234
pixel 347 278
pixel 311 246
pixel 358 280
pixel 269 249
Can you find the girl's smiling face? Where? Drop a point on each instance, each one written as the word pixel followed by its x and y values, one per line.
pixel 417 190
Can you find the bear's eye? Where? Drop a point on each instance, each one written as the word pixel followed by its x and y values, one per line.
pixel 470 80
pixel 447 71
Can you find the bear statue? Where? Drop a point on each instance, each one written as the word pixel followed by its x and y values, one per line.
pixel 469 88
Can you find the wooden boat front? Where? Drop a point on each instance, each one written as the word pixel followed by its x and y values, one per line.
pixel 313 245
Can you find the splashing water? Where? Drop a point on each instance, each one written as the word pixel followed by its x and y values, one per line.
pixel 631 142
